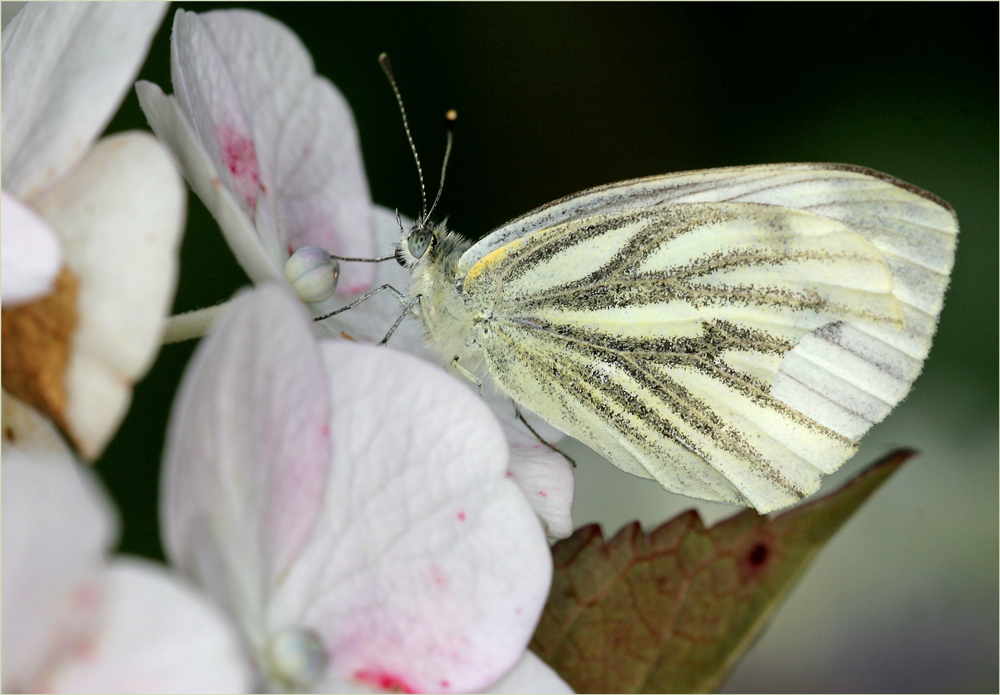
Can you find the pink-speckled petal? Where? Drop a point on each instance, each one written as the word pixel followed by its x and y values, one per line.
pixel 173 127
pixel 283 138
pixel 57 528
pixel 157 635
pixel 428 569
pixel 545 477
pixel 208 96
pixel 247 452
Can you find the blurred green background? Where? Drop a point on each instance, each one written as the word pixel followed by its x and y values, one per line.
pixel 556 98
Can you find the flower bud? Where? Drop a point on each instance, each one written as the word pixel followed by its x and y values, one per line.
pixel 312 273
pixel 296 659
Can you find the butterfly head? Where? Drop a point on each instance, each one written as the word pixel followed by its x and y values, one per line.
pixel 417 244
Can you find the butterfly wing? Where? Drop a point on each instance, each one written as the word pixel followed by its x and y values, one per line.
pixel 689 330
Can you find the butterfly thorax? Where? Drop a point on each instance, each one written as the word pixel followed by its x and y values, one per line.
pixel 448 325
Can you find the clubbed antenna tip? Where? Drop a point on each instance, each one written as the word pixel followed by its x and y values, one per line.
pixel 449 120
pixel 383 60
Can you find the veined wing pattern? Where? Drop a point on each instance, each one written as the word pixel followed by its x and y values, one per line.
pixel 681 340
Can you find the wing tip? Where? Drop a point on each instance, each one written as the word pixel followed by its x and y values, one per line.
pixel 874 173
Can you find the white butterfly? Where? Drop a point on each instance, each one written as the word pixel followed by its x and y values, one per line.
pixel 730 333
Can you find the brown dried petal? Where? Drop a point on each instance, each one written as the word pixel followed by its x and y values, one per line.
pixel 37 340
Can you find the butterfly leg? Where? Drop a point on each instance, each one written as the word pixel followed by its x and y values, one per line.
pixel 466 374
pixel 517 411
pixel 400 297
pixel 406 310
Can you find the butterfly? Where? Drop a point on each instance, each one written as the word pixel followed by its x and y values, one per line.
pixel 730 333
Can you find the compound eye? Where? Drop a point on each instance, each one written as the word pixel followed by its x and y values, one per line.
pixel 419 241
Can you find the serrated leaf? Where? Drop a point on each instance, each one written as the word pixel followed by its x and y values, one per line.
pixel 674 610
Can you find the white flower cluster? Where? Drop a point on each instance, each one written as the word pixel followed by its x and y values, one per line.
pixel 338 517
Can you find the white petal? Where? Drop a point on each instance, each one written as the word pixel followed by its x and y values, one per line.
pixel 66 67
pixel 172 126
pixel 545 477
pixel 283 138
pixel 57 526
pixel 156 635
pixel 119 215
pixel 247 452
pixel 31 253
pixel 427 570
pixel 531 675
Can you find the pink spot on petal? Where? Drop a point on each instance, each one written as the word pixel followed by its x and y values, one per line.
pixel 384 680
pixel 445 684
pixel 543 493
pixel 325 430
pixel 86 597
pixel 461 516
pixel 437 576
pixel 356 288
pixel 85 650
pixel 510 474
pixel 239 156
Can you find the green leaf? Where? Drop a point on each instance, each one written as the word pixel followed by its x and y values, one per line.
pixel 674 610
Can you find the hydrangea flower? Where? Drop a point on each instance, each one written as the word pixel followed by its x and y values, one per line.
pixel 76 619
pixel 350 507
pixel 90 229
pixel 272 150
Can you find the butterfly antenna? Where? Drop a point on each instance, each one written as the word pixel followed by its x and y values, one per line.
pixel 383 60
pixel 449 120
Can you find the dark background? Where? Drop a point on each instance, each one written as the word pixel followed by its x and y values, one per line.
pixel 555 98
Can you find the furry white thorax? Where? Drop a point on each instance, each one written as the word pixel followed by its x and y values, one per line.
pixel 448 324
